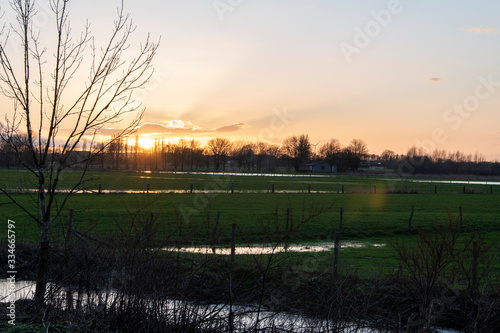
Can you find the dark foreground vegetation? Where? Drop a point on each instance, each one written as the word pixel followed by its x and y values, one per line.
pixel 123 283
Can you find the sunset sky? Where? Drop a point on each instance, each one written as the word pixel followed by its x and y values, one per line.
pixel 392 73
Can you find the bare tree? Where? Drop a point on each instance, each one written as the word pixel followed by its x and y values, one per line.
pixel 56 110
pixel 261 151
pixel 331 152
pixel 219 149
pixel 243 154
pixel 359 148
pixel 354 153
pixel 297 149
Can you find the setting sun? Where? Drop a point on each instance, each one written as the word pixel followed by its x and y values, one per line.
pixel 146 142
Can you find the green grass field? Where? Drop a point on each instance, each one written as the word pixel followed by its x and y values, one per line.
pixel 371 214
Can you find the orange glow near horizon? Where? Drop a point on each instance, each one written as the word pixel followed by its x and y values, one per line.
pixel 146 142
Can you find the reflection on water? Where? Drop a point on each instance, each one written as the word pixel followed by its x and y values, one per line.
pixel 251 174
pixel 245 317
pixel 462 182
pixel 260 249
pixel 15 291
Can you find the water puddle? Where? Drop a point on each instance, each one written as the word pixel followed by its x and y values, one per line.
pixel 245 317
pixel 263 249
pixel 16 290
pixel 461 182
pixel 243 174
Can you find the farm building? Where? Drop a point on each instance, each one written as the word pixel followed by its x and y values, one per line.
pixel 371 165
pixel 321 166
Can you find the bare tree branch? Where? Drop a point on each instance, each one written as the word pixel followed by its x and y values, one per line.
pixel 48 96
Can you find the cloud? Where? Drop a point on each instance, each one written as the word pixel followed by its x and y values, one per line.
pixel 483 30
pixel 170 128
pixel 433 79
pixel 230 128
pixel 180 128
pixel 175 124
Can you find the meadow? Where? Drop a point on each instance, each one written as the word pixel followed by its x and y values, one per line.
pixel 180 209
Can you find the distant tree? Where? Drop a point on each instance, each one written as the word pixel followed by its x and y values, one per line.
pixel 389 159
pixel 358 148
pixel 261 151
pixel 48 94
pixel 387 155
pixel 273 154
pixel 219 149
pixel 439 155
pixel 298 149
pixel 331 152
pixel 181 151
pixel 194 153
pixel 353 154
pixel 243 154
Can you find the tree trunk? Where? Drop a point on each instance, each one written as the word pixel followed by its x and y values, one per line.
pixel 43 264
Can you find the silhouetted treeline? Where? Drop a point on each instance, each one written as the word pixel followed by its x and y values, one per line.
pixel 418 161
pixel 295 153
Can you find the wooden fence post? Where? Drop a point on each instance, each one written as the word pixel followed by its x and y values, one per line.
pixel 287 225
pixel 336 253
pixel 460 217
pixel 69 227
pixel 233 242
pixel 475 260
pixel 411 217
pixel 214 232
pixel 336 244
pixel 341 218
